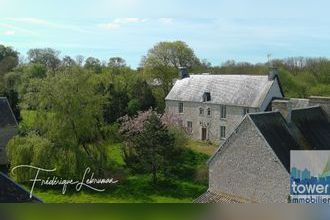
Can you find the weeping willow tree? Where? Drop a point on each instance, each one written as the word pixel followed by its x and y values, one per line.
pixel 66 134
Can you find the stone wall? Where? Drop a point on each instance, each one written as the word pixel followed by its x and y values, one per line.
pixel 324 102
pixel 247 167
pixel 284 107
pixel 5 135
pixel 212 123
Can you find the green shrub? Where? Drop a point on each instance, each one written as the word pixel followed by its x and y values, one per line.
pixel 69 162
pixel 30 150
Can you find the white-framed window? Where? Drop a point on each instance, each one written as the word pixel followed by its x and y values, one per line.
pixel 201 111
pixel 222 132
pixel 180 107
pixel 223 111
pixel 246 111
pixel 208 111
pixel 189 126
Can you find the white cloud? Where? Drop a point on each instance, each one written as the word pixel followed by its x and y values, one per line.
pixel 45 23
pixel 118 22
pixel 16 29
pixel 9 33
pixel 129 20
pixel 166 20
pixel 30 21
pixel 109 26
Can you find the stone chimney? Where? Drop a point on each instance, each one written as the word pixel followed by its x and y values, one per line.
pixel 272 73
pixel 183 72
pixel 284 107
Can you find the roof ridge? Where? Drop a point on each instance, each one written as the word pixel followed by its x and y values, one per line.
pixel 307 108
pixel 209 74
pixel 264 113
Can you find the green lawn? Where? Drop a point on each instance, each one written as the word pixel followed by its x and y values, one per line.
pixel 134 189
pixel 137 188
pixel 202 147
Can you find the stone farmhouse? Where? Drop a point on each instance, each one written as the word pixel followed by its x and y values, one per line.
pixel 253 164
pixel 8 128
pixel 211 106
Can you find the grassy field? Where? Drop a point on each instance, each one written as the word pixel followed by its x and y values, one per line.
pixel 202 147
pixel 134 189
pixel 138 188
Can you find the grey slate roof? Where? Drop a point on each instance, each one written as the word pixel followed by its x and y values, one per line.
pixel 7 117
pixel 11 192
pixel 240 90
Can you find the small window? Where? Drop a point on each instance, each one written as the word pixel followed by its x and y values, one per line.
pixel 222 132
pixel 206 97
pixel 246 111
pixel 201 111
pixel 223 111
pixel 180 107
pixel 209 112
pixel 189 126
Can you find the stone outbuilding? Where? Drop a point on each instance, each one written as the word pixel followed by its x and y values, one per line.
pixel 253 164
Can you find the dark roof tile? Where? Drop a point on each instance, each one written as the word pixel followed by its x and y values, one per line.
pixel 6 115
pixel 314 125
pixel 274 129
pixel 10 192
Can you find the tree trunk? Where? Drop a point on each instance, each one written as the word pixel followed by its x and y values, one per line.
pixel 154 174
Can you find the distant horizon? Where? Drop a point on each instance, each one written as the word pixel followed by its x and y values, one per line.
pixel 23 55
pixel 218 31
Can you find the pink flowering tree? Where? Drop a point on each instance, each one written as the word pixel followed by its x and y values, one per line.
pixel 131 126
pixel 151 141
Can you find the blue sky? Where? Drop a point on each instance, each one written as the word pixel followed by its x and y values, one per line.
pixel 243 30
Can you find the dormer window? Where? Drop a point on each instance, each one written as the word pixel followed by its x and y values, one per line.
pixel 207 97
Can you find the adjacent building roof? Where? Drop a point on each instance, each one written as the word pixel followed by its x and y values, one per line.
pixel 11 192
pixel 276 132
pixel 306 129
pixel 240 90
pixel 314 125
pixel 211 197
pixel 7 117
